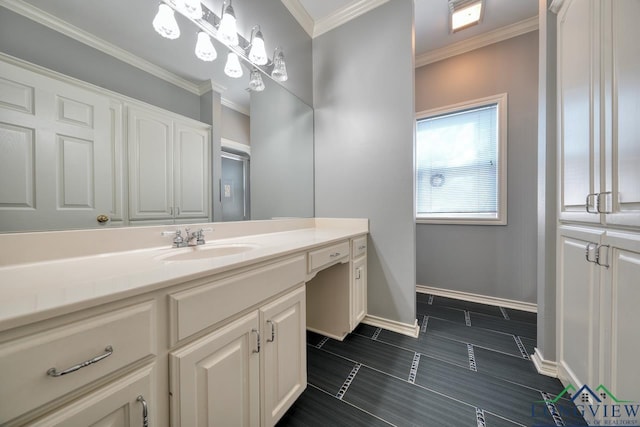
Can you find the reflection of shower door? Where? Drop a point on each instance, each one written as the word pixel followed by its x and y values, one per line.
pixel 234 187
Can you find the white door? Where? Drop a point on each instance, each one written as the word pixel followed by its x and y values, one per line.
pixel 358 291
pixel 623 113
pixel 621 337
pixel 284 368
pixel 150 165
pixel 579 103
pixel 191 171
pixel 578 305
pixel 55 153
pixel 118 404
pixel 215 380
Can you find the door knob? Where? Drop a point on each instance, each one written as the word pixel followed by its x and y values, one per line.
pixel 102 219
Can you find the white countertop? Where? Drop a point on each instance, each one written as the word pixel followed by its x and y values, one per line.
pixel 44 289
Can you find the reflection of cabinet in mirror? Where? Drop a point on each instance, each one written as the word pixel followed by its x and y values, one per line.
pixel 169 171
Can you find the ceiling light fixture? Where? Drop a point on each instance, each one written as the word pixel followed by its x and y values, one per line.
pixel 227 30
pixel 465 13
pixel 257 54
pixel 165 23
pixel 204 47
pixel 279 72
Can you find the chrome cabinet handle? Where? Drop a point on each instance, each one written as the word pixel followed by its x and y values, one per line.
pixel 53 372
pixel 362 247
pixel 273 332
pixel 588 203
pixel 257 340
pixel 177 211
pixel 598 203
pixel 333 255
pixel 599 257
pixel 145 411
pixel 588 250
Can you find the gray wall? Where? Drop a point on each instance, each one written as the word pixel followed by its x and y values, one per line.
pixel 235 126
pixel 363 100
pixel 497 261
pixel 281 155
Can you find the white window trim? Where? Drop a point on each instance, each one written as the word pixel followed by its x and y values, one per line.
pixel 475 218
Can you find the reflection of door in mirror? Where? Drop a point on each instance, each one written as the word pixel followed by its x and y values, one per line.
pixel 234 187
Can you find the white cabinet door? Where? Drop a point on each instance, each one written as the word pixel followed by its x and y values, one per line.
pixel 284 359
pixel 118 404
pixel 620 335
pixel 578 305
pixel 623 113
pixel 150 139
pixel 358 291
pixel 191 171
pixel 215 380
pixel 55 153
pixel 579 104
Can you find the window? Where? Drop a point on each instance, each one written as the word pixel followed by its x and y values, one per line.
pixel 461 163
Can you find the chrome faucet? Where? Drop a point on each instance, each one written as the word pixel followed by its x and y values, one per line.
pixel 178 240
pixel 195 238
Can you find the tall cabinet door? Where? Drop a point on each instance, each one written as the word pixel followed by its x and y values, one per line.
pixel 215 380
pixel 620 336
pixel 191 171
pixel 284 368
pixel 150 139
pixel 623 126
pixel 579 103
pixel 358 291
pixel 578 305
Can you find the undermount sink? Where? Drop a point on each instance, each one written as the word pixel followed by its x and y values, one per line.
pixel 207 251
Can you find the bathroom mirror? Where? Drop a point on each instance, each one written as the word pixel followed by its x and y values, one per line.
pixel 281 123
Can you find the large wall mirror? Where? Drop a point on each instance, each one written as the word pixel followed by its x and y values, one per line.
pixel 112 46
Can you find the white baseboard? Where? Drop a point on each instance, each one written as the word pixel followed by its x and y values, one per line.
pixel 483 299
pixel 544 367
pixel 392 325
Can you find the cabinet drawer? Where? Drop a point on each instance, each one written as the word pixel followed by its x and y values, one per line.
pixel 25 362
pixel 323 257
pixel 359 247
pixel 195 309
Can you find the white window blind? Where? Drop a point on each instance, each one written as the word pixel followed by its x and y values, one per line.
pixel 457 164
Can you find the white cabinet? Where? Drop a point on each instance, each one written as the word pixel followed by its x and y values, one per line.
pixel 284 358
pixel 358 281
pixel 599 134
pixel 58 148
pixel 257 361
pixel 169 170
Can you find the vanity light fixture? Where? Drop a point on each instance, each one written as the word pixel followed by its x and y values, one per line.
pixel 279 72
pixel 227 30
pixel 191 8
pixel 204 47
pixel 255 81
pixel 233 68
pixel 257 53
pixel 165 22
pixel 465 13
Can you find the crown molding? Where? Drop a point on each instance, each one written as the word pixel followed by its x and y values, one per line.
pixel 209 85
pixel 29 11
pixel 556 5
pixel 300 14
pixel 237 107
pixel 495 36
pixel 344 15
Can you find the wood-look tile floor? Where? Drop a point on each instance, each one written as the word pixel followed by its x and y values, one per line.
pixel 470 366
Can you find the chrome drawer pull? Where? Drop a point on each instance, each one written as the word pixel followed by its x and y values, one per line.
pixel 145 411
pixel 337 254
pixel 53 372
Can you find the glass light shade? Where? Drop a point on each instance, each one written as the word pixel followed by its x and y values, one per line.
pixel 258 54
pixel 255 82
pixel 233 68
pixel 227 30
pixel 165 23
pixel 193 8
pixel 204 47
pixel 279 72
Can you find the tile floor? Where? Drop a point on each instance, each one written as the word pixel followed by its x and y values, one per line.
pixel 470 366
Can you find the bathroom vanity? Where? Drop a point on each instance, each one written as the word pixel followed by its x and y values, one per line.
pixel 114 326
